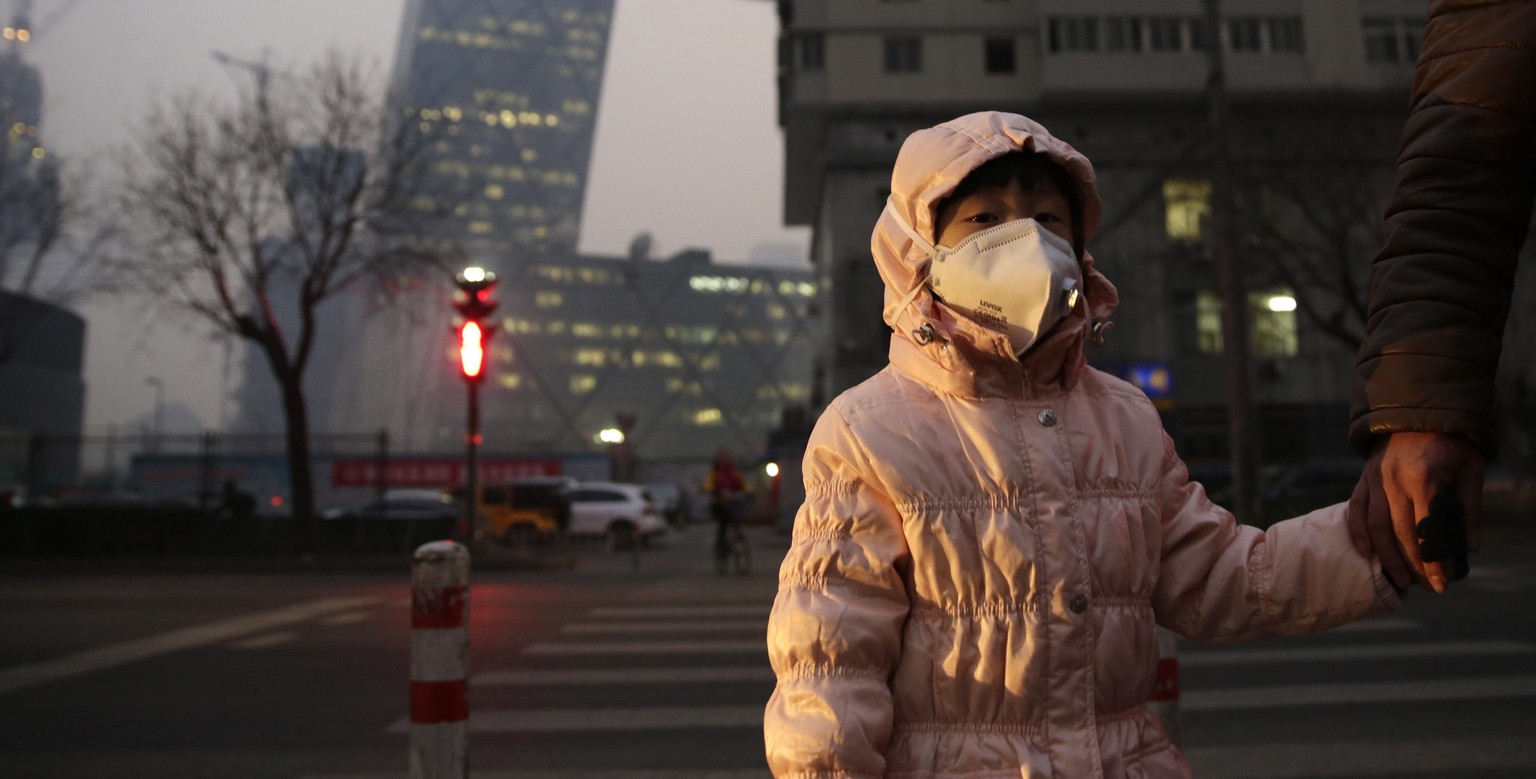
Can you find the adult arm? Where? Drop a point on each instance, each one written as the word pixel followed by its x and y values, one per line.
pixel 1440 285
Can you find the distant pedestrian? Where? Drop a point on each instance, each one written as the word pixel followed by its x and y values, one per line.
pixel 993 529
pixel 235 503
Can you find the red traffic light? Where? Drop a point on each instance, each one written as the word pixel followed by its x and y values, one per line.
pixel 471 349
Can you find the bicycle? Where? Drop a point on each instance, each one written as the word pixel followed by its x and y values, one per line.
pixel 733 553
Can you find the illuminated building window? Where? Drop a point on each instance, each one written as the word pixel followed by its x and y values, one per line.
pixel 581 384
pixel 548 299
pixel 708 417
pixel 494 191
pixel 530 155
pixel 586 330
pixel 479 228
pixel 1187 204
pixel 1272 320
pixel 510 381
pixel 776 311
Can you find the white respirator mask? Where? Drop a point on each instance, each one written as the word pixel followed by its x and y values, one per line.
pixel 1015 278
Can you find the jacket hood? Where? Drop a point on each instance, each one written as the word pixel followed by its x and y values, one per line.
pixel 930 165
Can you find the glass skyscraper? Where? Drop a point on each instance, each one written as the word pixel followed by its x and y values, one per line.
pixel 504 93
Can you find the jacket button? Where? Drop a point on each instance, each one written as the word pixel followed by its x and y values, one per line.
pixel 1047 417
pixel 1078 604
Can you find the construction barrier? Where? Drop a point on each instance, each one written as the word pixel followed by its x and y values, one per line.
pixel 439 661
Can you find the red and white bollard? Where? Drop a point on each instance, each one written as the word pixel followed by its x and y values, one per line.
pixel 1165 685
pixel 439 661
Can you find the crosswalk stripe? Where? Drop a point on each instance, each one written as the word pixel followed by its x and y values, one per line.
pixel 745 673
pixel 756 646
pixel 716 626
pixel 616 719
pixel 679 612
pixel 1222 657
pixel 644 773
pixel 264 640
pixel 1378 624
pixel 1314 760
pixel 1407 691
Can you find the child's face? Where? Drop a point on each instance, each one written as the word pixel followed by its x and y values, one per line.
pixel 991 206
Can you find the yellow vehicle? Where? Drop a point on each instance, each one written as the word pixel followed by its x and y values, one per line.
pixel 524 512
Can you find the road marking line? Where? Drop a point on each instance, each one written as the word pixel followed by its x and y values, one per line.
pixel 113 655
pixel 757 646
pixel 678 612
pixel 265 640
pixel 1376 624
pixel 346 618
pixel 1313 760
pixel 758 627
pixel 745 673
pixel 1220 657
pixel 1406 691
pixel 585 720
pixel 644 773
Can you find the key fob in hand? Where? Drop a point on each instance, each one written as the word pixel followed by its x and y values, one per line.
pixel 1443 536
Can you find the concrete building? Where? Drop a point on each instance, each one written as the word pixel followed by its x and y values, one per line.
pixel 42 394
pixel 1317 90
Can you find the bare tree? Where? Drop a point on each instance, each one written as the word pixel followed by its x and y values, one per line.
pixel 1310 211
pixel 249 215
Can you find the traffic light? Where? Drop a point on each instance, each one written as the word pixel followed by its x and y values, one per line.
pixel 474 304
pixel 471 349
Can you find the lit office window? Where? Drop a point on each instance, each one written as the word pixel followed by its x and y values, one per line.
pixel 1000 56
pixel 1187 204
pixel 903 55
pixel 1272 323
pixel 581 384
pixel 548 299
pixel 708 417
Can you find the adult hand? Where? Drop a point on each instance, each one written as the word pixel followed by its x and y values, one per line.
pixel 1402 475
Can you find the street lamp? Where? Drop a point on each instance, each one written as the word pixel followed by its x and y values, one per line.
pixel 154 381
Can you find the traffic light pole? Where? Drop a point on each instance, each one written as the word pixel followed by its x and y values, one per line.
pixel 472 463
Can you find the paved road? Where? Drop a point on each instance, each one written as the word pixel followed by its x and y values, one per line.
pixel 615 673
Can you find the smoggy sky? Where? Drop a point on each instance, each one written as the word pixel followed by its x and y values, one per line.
pixel 687 143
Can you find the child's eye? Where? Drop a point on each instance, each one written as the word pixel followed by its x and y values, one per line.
pixel 1047 217
pixel 982 218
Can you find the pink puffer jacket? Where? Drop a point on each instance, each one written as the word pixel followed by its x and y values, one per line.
pixel 985 547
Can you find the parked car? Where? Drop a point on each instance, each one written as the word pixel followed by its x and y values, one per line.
pixel 401 505
pixel 672 501
pixel 524 511
pixel 620 513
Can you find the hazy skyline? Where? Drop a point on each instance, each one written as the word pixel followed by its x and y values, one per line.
pixel 687 145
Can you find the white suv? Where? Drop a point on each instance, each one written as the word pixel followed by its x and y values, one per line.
pixel 618 512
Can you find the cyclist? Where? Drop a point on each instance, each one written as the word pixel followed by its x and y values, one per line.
pixel 728 494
